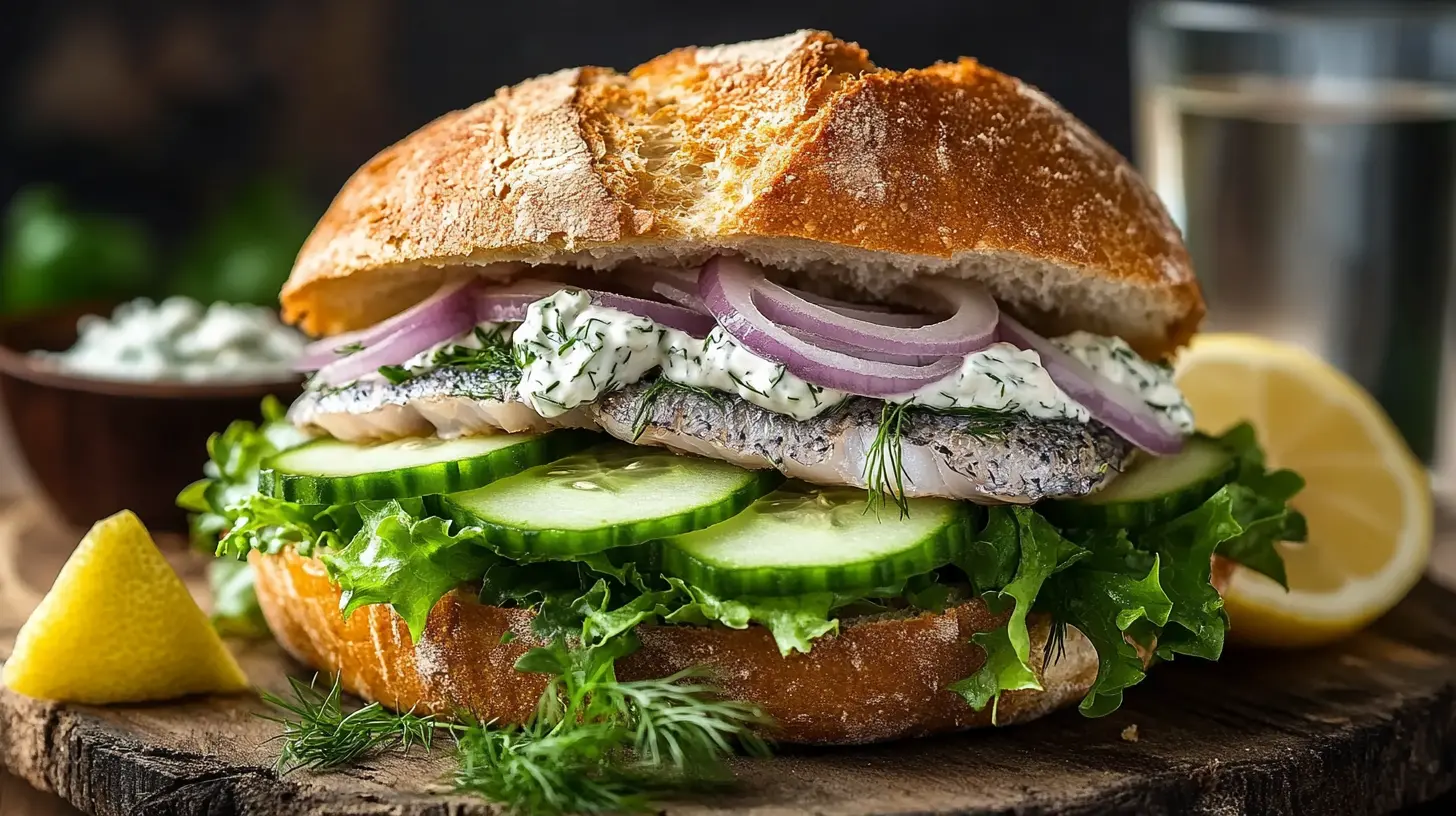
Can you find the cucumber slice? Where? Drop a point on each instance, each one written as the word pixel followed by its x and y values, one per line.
pixel 807 538
pixel 609 496
pixel 328 471
pixel 1156 489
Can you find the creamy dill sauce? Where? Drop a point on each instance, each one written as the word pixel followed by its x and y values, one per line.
pixel 574 351
pixel 1114 359
pixel 477 338
pixel 1000 377
pixel 720 363
pixel 181 339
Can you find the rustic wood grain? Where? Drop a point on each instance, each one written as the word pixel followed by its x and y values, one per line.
pixel 1367 726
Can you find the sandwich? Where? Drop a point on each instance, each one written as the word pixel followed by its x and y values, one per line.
pixel 845 389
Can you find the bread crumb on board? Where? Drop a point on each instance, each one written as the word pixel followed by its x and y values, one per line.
pixel 1130 733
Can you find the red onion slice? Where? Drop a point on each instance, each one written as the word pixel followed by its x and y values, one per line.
pixel 859 353
pixel 686 298
pixel 665 314
pixel 508 303
pixel 1109 403
pixel 325 352
pixel 727 287
pixel 971 327
pixel 320 353
pixel 883 315
pixel 446 317
pixel 652 282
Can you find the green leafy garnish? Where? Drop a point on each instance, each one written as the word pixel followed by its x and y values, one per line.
pixel 493 355
pixel 795 621
pixel 594 743
pixel 230 518
pixel 318 733
pixel 395 374
pixel 1133 595
pixel 597 743
pixel 1043 551
pixel 405 559
pixel 235 609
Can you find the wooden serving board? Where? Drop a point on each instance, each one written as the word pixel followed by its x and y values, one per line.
pixel 1366 726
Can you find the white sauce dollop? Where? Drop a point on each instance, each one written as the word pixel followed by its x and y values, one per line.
pixel 999 377
pixel 721 363
pixel 1114 359
pixel 180 339
pixel 576 351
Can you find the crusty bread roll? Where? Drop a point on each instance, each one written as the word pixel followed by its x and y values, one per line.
pixel 878 679
pixel 796 152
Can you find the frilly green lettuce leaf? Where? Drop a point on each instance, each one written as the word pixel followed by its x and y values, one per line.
pixel 405 560
pixel 1042 551
pixel 229 517
pixel 793 621
pixel 1132 595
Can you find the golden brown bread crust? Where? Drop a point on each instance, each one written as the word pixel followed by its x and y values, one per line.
pixel 797 152
pixel 876 680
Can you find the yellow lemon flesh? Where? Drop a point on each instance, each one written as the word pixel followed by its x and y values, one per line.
pixel 119 626
pixel 1367 499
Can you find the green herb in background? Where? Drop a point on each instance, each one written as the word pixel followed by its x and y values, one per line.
pixel 241 253
pixel 244 252
pixel 52 255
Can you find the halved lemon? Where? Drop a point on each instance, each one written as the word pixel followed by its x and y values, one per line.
pixel 1367 498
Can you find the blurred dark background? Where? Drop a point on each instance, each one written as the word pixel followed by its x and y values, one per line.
pixel 159 146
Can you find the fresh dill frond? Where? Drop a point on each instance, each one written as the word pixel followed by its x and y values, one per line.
pixel 884 470
pixel 600 744
pixel 319 733
pixel 542 770
pixel 684 725
pixel 646 405
pixel 594 743
pixel 490 357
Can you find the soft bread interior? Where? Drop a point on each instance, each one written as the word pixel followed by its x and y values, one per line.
pixel 1052 298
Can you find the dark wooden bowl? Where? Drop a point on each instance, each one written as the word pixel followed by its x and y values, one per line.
pixel 99 446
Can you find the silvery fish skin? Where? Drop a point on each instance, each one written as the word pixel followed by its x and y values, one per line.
pixel 447 402
pixel 1025 460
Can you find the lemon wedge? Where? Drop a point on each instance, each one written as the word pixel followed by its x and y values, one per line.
pixel 1367 499
pixel 119 626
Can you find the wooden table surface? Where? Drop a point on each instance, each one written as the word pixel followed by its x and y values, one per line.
pixel 23 580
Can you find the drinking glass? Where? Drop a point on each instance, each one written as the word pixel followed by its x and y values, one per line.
pixel 1308 152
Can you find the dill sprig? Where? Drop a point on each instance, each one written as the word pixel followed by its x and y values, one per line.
pixel 494 355
pixel 321 734
pixel 594 743
pixel 884 469
pixel 597 743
